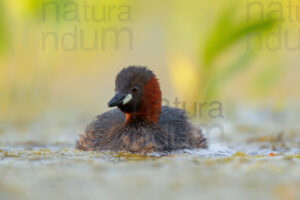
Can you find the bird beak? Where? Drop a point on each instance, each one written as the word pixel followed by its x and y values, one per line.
pixel 119 99
pixel 116 100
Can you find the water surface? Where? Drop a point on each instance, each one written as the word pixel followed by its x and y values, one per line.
pixel 255 158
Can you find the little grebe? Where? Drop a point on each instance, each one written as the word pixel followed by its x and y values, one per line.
pixel 141 124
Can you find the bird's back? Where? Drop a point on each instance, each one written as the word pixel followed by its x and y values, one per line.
pixel 176 123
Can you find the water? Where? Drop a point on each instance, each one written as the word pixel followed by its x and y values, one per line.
pixel 253 159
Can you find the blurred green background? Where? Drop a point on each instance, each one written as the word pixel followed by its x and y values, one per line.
pixel 238 52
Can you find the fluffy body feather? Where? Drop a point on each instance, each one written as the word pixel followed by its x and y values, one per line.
pixel 173 132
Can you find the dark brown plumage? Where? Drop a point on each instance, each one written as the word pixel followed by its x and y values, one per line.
pixel 141 124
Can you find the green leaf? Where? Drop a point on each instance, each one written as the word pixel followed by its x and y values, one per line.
pixel 238 66
pixel 226 33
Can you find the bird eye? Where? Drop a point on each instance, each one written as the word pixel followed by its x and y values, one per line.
pixel 134 90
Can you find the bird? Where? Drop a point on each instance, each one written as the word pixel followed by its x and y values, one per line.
pixel 140 124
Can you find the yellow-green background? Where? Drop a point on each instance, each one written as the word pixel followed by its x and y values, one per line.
pixel 189 45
